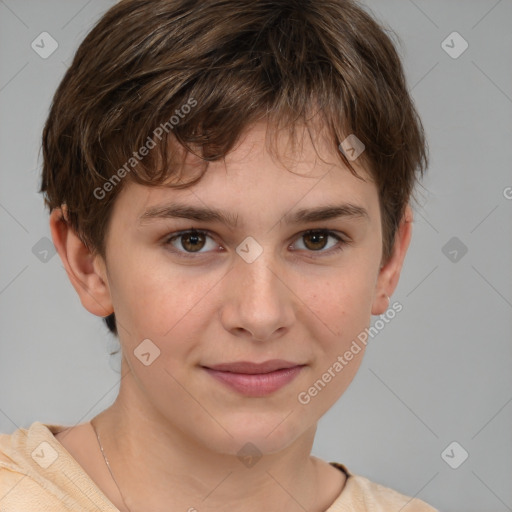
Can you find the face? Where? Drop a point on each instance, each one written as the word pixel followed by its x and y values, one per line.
pixel 278 285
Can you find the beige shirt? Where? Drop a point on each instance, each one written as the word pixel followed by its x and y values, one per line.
pixel 38 474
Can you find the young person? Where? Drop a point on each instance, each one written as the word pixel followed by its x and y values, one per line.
pixel 229 185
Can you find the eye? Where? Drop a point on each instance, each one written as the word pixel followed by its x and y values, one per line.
pixel 316 241
pixel 188 242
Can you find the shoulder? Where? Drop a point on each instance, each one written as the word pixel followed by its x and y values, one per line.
pixel 385 496
pixel 26 450
pixel 362 494
pixel 36 472
pixel 24 456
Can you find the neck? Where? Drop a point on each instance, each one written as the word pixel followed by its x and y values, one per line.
pixel 160 466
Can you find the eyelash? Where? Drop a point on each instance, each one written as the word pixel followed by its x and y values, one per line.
pixel 340 246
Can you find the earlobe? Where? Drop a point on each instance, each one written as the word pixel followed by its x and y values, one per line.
pixel 389 273
pixel 85 271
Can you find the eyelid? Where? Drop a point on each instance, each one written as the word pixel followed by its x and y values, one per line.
pixel 343 240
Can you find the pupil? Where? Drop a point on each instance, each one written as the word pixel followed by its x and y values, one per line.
pixel 194 238
pixel 317 237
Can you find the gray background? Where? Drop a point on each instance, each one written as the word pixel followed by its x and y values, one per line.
pixel 439 372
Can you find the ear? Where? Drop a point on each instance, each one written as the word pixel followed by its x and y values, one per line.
pixel 86 271
pixel 389 273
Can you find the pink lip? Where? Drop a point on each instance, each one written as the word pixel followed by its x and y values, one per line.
pixel 253 379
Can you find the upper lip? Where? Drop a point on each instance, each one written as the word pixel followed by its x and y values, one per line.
pixel 254 368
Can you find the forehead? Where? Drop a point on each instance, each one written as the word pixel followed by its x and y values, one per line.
pixel 261 181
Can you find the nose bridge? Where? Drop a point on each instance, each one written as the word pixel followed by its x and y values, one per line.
pixel 259 303
pixel 259 282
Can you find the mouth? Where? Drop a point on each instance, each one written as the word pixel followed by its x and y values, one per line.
pixel 249 368
pixel 255 379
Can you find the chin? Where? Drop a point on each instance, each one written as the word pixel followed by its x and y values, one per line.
pixel 271 435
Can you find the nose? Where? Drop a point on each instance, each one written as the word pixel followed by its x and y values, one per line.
pixel 258 300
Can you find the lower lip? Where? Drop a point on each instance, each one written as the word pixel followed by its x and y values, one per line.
pixel 260 384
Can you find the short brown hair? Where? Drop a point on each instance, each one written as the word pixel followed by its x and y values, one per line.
pixel 235 62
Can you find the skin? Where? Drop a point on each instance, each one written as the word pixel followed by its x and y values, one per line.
pixel 173 433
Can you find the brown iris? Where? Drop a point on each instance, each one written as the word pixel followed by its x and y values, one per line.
pixel 318 238
pixel 190 241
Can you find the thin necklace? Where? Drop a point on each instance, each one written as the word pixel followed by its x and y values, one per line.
pixel 108 465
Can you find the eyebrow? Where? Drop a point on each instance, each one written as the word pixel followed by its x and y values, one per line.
pixel 206 214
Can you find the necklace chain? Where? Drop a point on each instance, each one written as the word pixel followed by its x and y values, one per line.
pixel 108 466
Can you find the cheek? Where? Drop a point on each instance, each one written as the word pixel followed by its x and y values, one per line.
pixel 156 299
pixel 338 312
pixel 340 306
